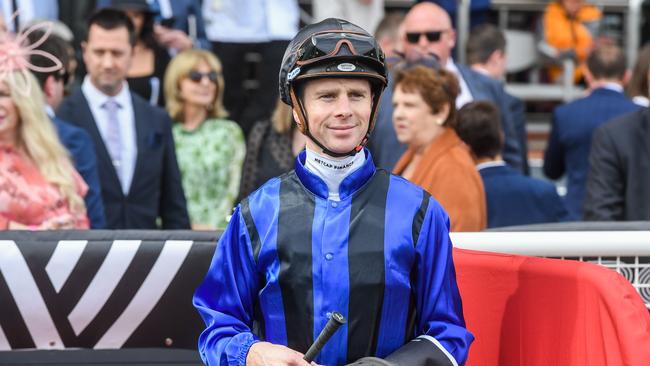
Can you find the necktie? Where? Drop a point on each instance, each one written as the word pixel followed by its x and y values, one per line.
pixel 113 136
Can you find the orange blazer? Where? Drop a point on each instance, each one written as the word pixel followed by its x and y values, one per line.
pixel 448 173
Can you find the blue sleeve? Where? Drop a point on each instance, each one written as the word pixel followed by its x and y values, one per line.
pixel 86 164
pixel 438 303
pixel 225 298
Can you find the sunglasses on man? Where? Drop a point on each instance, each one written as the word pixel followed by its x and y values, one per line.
pixel 432 36
pixel 197 76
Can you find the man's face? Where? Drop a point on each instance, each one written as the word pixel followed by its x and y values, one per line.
pixel 338 111
pixel 107 55
pixel 427 29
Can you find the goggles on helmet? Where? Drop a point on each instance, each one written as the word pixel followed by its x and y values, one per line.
pixel 324 45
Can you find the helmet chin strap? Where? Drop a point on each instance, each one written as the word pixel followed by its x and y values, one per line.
pixel 303 119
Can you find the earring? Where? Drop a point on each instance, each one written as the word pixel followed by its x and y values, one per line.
pixel 439 121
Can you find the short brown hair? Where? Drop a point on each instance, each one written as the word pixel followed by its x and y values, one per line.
pixel 479 126
pixel 436 87
pixel 483 41
pixel 607 62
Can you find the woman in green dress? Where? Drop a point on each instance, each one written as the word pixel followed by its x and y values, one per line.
pixel 210 149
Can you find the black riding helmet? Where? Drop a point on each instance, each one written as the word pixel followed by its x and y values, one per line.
pixel 332 48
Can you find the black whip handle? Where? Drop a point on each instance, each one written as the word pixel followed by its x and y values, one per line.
pixel 335 322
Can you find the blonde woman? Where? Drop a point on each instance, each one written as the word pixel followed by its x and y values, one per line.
pixel 210 149
pixel 39 188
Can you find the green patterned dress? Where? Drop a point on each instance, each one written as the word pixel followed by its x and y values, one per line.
pixel 210 158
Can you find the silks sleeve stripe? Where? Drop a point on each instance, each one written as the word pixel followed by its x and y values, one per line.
pixel 252 229
pixel 419 217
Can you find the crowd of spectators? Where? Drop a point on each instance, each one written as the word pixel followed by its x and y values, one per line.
pixel 168 122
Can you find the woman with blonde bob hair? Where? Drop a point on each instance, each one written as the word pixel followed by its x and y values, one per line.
pixel 39 187
pixel 210 149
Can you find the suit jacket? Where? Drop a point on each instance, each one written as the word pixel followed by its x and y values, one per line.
pixel 517 110
pixel 156 189
pixel 81 148
pixel 618 183
pixel 448 173
pixel 386 149
pixel 570 141
pixel 487 89
pixel 515 199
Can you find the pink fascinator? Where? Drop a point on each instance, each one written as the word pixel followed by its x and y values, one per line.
pixel 15 52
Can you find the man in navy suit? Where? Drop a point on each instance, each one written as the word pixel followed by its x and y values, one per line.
pixel 512 198
pixel 486 54
pixel 428 31
pixel 136 156
pixel 619 170
pixel 574 123
pixel 76 140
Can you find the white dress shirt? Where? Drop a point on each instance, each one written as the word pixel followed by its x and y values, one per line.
pixel 126 118
pixel 490 164
pixel 613 87
pixel 251 21
pixel 465 95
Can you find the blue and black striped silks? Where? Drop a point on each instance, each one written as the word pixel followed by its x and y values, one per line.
pixel 381 256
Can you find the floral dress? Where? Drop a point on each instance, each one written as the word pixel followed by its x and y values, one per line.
pixel 210 158
pixel 28 200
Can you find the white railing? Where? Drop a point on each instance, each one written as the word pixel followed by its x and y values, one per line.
pixel 627 252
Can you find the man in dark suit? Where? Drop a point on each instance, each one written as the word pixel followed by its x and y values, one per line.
pixel 76 140
pixel 135 149
pixel 618 183
pixel 512 198
pixel 573 123
pixel 486 54
pixel 428 31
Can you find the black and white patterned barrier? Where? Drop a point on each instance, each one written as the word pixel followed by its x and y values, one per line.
pixel 101 289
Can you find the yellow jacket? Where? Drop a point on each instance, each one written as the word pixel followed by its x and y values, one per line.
pixel 564 32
